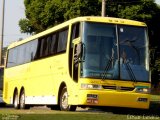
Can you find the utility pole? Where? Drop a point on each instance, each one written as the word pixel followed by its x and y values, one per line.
pixel 103 8
pixel 2 31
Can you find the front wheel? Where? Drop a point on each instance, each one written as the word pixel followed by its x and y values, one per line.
pixel 64 101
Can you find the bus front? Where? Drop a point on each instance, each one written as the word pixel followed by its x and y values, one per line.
pixel 114 67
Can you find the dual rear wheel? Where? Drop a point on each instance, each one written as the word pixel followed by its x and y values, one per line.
pixel 19 102
pixel 16 100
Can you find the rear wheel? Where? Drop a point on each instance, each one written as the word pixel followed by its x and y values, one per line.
pixel 64 101
pixel 16 101
pixel 22 101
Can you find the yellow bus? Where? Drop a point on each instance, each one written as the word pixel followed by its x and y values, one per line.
pixel 86 61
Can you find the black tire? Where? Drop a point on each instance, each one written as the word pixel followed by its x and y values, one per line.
pixel 64 101
pixel 2 104
pixel 16 101
pixel 55 107
pixel 22 101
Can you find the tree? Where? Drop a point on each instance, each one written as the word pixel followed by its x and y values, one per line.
pixel 43 14
pixel 148 12
pixel 142 10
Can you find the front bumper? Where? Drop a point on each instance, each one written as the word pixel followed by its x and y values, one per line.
pixel 113 98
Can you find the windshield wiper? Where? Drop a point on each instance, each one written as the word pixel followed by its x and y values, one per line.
pixel 104 74
pixel 130 72
pixel 128 67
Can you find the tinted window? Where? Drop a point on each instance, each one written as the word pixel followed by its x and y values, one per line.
pixel 27 52
pixel 39 48
pixel 12 55
pixel 74 34
pixel 53 44
pixel 75 31
pixel 44 47
pixel 33 49
pixel 21 54
pixel 49 39
pixel 100 51
pixel 62 40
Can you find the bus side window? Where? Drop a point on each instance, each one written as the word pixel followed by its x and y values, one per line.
pixel 75 31
pixel 12 57
pixel 33 49
pixel 53 44
pixel 62 40
pixel 49 38
pixel 44 47
pixel 21 54
pixel 37 55
pixel 28 52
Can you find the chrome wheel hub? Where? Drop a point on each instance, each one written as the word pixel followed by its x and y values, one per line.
pixel 65 100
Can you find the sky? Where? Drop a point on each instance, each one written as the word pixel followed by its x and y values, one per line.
pixel 157 1
pixel 14 11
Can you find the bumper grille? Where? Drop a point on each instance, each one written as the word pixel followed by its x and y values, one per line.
pixel 127 88
pixel 118 88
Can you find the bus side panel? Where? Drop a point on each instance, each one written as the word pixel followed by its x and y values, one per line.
pixel 46 75
pixel 59 73
pixel 39 84
pixel 13 78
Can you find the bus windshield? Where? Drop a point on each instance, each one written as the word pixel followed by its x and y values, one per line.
pixel 117 52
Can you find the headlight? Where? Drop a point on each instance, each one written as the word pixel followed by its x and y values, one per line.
pixel 91 86
pixel 143 90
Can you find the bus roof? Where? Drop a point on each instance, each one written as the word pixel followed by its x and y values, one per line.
pixel 111 20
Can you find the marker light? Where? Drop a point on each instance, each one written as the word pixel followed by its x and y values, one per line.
pixel 143 90
pixel 91 86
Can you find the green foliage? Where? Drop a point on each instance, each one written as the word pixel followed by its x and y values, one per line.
pixel 142 10
pixel 82 8
pixel 25 26
pixel 135 12
pixel 158 64
pixel 43 14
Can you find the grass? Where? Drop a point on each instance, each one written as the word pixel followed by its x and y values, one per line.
pixel 46 114
pixel 155 98
pixel 63 117
pixel 108 113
